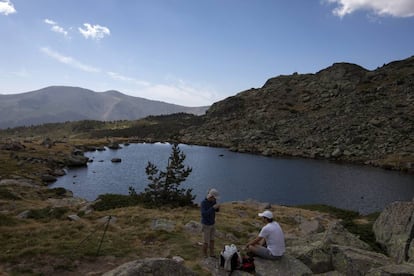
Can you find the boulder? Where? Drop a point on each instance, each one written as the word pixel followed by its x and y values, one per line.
pixel 315 249
pixel 76 160
pixel 213 267
pixel 337 234
pixel 18 182
pixel 163 224
pixel 73 217
pixel 287 265
pixel 151 266
pixel 114 146
pixel 394 230
pixel 315 256
pixel 354 261
pixel 47 178
pixel 310 226
pixel 406 269
pixel 13 146
pixel 193 227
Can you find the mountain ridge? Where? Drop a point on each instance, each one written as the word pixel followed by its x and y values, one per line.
pixel 54 104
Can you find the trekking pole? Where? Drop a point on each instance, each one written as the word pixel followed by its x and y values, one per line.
pixel 103 235
pixel 82 241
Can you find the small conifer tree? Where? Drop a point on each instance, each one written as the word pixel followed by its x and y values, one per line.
pixel 164 187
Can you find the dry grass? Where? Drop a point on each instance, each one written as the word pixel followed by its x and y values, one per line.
pixel 70 244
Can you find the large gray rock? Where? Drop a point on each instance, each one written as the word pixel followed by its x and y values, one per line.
pixel 354 261
pixel 193 227
pixel 76 161
pixel 406 269
pixel 18 182
pixel 212 266
pixel 315 256
pixel 337 234
pixel 288 265
pixel 315 250
pixel 151 266
pixel 394 230
pixel 162 224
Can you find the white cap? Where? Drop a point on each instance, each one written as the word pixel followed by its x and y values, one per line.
pixel 213 193
pixel 266 214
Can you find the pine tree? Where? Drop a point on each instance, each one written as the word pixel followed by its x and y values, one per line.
pixel 164 187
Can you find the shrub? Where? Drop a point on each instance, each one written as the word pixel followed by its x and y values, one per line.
pixel 112 201
pixel 164 187
pixel 6 194
pixel 47 213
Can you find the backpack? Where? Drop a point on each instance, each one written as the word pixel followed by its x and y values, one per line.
pixel 230 258
pixel 248 264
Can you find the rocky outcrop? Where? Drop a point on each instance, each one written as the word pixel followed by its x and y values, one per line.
pixel 287 265
pixel 392 270
pixel 354 261
pixel 394 230
pixel 151 266
pixel 76 159
pixel 12 146
pixel 343 112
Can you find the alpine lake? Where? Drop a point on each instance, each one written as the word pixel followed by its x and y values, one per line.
pixel 241 176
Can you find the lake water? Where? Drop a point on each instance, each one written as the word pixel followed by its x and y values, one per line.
pixel 240 176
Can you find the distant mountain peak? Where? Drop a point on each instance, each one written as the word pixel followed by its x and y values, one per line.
pixel 55 104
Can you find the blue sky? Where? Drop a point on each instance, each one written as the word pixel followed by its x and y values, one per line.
pixel 192 52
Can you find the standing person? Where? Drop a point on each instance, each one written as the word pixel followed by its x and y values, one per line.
pixel 208 209
pixel 270 243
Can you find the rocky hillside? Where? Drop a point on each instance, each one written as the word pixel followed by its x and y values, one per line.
pixel 61 104
pixel 343 112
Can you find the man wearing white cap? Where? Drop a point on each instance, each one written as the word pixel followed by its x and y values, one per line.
pixel 208 209
pixel 272 236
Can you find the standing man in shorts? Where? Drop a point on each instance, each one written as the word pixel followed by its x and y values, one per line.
pixel 208 209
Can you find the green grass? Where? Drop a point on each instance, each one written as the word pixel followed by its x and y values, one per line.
pixel 48 213
pixel 7 220
pixel 7 194
pixel 112 201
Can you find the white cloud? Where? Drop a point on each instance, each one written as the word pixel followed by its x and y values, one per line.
pixel 59 29
pixel 174 90
pixel 95 32
pixel 120 77
pixel 55 27
pixel 6 7
pixel 50 22
pixel 69 61
pixel 397 8
pixel 179 92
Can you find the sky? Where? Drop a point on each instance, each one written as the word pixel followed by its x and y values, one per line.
pixel 192 52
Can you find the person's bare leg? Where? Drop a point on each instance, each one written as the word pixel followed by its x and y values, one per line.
pixel 205 247
pixel 212 253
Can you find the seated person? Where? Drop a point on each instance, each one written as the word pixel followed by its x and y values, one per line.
pixel 270 243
